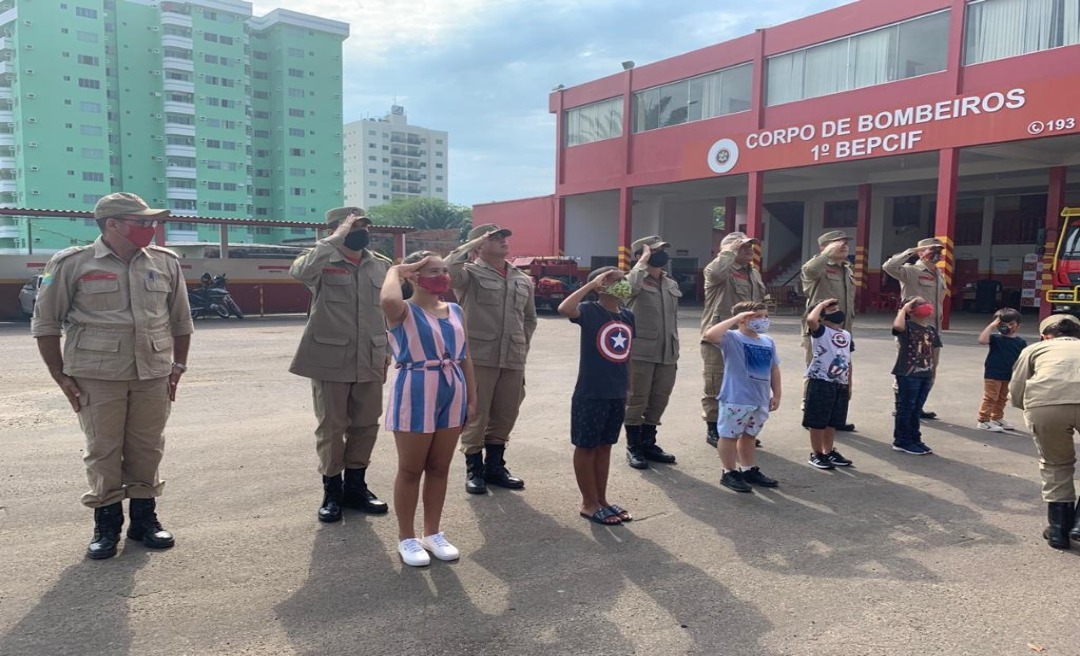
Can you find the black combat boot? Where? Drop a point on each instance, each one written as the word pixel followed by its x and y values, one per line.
pixel 635 452
pixel 495 471
pixel 474 473
pixel 145 526
pixel 357 496
pixel 651 449
pixel 108 520
pixel 712 436
pixel 330 511
pixel 1075 532
pixel 1060 515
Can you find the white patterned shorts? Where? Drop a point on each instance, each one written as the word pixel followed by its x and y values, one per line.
pixel 737 419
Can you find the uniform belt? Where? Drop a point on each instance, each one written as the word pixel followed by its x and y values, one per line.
pixel 447 365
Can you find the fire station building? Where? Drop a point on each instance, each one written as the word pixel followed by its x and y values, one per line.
pixel 893 121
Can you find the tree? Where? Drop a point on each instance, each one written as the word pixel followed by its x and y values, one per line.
pixel 423 214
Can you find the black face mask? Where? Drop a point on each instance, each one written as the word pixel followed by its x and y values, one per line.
pixel 659 259
pixel 358 240
pixel 835 317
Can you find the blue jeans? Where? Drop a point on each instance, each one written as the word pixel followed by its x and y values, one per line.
pixel 910 398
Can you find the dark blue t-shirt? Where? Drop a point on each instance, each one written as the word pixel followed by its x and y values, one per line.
pixel 606 338
pixel 1004 352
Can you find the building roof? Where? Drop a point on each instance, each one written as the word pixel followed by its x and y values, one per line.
pixel 207 220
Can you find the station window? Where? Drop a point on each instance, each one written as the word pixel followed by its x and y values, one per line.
pixel 595 122
pixel 895 52
pixel 1017 219
pixel 996 29
pixel 693 99
pixel 841 214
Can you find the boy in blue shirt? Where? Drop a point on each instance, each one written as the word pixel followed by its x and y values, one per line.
pixel 1005 346
pixel 749 392
pixel 599 403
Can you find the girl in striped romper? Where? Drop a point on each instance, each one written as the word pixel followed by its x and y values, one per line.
pixel 430 397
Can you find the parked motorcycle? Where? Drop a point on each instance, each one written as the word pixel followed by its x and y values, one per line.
pixel 211 298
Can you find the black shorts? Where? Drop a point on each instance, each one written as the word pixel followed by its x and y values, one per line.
pixel 826 405
pixel 596 421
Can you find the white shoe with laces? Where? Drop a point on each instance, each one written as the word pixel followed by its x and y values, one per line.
pixel 991 426
pixel 412 553
pixel 440 547
pixel 1003 424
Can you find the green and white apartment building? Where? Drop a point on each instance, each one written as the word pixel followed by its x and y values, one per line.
pixel 195 105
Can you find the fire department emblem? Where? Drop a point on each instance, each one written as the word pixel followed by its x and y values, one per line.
pixel 723 156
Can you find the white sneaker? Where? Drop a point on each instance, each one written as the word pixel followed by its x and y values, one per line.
pixel 1004 424
pixel 412 553
pixel 991 426
pixel 440 547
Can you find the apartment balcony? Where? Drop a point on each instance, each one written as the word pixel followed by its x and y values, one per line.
pixel 182 194
pixel 6 43
pixel 10 231
pixel 180 86
pixel 177 41
pixel 179 107
pixel 6 93
pixel 7 116
pixel 180 130
pixel 180 171
pixel 176 235
pixel 179 151
pixel 8 68
pixel 7 161
pixel 178 64
pixel 173 18
pixel 8 187
pixel 9 15
pixel 7 139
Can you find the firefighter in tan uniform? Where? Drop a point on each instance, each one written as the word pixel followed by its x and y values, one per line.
pixel 128 328
pixel 829 275
pixel 344 353
pixel 729 279
pixel 654 300
pixel 921 279
pixel 1046 386
pixel 500 318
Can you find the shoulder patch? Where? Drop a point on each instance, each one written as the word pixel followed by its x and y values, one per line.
pixel 379 256
pixel 68 252
pixel 162 249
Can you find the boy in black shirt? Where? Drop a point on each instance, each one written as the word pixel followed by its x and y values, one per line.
pixel 599 403
pixel 1005 346
pixel 915 369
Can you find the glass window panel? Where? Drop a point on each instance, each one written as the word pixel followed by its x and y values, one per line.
pixel 785 78
pixel 923 46
pixel 673 103
pixel 874 54
pixel 826 69
pixel 694 98
pixel 736 89
pixel 1006 28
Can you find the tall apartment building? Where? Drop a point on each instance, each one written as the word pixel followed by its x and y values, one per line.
pixel 196 105
pixel 387 159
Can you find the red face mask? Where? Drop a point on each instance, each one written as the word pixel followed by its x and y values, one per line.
pixel 436 285
pixel 140 237
pixel 922 311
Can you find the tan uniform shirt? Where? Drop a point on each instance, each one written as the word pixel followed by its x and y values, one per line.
pixel 500 312
pixel 918 280
pixel 1047 373
pixel 655 304
pixel 726 283
pixel 120 316
pixel 823 280
pixel 345 337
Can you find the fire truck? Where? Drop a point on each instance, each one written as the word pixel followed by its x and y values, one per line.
pixel 554 278
pixel 1064 294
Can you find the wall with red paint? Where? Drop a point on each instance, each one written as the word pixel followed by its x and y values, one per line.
pixel 532 220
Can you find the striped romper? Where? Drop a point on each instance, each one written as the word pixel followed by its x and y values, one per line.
pixel 428 392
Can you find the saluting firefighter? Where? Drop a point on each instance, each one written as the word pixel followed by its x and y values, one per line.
pixel 729 279
pixel 343 351
pixel 123 306
pixel 654 300
pixel 500 319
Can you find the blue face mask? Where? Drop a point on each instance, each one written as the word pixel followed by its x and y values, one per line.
pixel 760 325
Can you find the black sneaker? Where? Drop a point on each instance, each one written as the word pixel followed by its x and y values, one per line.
pixel 927 414
pixel 757 478
pixel 734 480
pixel 838 460
pixel 821 461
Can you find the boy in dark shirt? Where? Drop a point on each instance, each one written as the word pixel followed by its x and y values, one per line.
pixel 1005 346
pixel 599 403
pixel 915 369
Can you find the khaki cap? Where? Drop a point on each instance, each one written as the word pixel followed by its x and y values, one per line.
pixel 932 242
pixel 652 241
pixel 834 235
pixel 122 203
pixel 1055 320
pixel 341 213
pixel 483 230
pixel 733 237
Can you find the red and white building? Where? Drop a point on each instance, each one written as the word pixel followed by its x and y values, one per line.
pixel 894 121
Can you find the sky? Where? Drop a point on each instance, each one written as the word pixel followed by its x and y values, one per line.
pixel 483 69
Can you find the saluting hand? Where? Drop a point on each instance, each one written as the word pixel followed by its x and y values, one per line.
pixel 646 253
pixel 70 389
pixel 409 271
pixel 609 278
pixel 346 225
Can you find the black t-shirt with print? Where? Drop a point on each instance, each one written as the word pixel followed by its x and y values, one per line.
pixel 606 338
pixel 916 354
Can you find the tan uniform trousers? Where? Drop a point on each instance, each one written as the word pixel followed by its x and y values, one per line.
pixel 650 391
pixel 1053 427
pixel 124 423
pixel 713 373
pixel 499 393
pixel 348 415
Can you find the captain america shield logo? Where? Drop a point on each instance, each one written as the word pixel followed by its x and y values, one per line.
pixel 613 342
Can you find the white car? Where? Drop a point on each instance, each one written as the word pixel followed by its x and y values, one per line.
pixel 28 296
